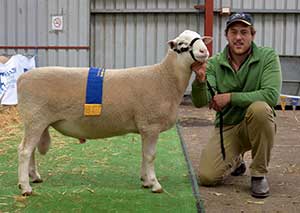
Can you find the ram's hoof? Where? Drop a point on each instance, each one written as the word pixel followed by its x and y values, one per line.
pixel 24 192
pixel 146 186
pixel 27 193
pixel 82 140
pixel 158 190
pixel 37 180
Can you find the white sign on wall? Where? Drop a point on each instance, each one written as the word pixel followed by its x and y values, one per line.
pixel 57 22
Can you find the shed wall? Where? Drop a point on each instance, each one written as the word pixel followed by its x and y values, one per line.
pixel 27 23
pixel 135 33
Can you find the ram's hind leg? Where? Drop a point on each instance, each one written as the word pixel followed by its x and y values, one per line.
pixel 43 147
pixel 30 141
pixel 33 172
pixel 149 141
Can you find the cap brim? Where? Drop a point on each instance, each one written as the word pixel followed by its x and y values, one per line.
pixel 239 20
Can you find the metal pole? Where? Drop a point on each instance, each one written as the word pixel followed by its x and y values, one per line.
pixel 209 21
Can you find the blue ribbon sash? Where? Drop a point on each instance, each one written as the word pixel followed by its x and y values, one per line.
pixel 94 90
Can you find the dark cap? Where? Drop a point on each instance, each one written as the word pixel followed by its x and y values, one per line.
pixel 241 17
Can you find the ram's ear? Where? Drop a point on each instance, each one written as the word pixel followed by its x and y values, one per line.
pixel 172 44
pixel 207 39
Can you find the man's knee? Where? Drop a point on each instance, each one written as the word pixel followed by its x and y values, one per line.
pixel 261 112
pixel 207 178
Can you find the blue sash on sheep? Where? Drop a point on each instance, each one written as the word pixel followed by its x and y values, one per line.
pixel 94 88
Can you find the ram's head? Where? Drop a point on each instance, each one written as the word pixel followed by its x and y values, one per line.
pixel 192 43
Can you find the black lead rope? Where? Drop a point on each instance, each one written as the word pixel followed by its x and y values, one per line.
pixel 210 90
pixel 212 93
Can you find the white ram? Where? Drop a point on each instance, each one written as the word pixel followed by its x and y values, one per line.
pixel 141 100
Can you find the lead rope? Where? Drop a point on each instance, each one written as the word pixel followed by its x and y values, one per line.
pixel 212 93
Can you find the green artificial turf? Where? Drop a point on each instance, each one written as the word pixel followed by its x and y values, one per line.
pixel 98 176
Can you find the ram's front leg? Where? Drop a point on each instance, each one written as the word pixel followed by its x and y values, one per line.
pixel 149 141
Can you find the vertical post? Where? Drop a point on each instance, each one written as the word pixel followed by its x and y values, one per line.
pixel 208 21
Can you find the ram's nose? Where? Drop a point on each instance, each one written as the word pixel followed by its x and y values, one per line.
pixel 204 52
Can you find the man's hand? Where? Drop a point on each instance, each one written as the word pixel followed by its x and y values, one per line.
pixel 200 70
pixel 220 101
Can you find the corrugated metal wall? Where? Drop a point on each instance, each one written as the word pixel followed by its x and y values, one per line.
pixel 132 26
pixel 134 33
pixel 28 23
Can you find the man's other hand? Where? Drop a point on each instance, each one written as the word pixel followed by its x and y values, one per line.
pixel 219 101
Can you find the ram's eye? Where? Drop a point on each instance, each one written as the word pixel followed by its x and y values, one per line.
pixel 180 43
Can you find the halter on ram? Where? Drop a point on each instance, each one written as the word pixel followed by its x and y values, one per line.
pixel 189 48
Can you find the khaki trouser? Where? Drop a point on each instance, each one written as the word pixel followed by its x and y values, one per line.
pixel 256 133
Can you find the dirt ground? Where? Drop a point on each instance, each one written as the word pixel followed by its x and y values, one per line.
pixel 234 195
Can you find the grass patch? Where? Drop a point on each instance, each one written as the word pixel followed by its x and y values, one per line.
pixel 98 176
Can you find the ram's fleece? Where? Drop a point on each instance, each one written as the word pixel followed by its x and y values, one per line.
pixel 140 100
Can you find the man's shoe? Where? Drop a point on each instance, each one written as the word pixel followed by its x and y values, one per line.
pixel 259 187
pixel 239 170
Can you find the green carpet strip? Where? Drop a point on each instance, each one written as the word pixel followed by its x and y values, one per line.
pixel 98 176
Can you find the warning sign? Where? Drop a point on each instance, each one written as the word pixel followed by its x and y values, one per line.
pixel 57 23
